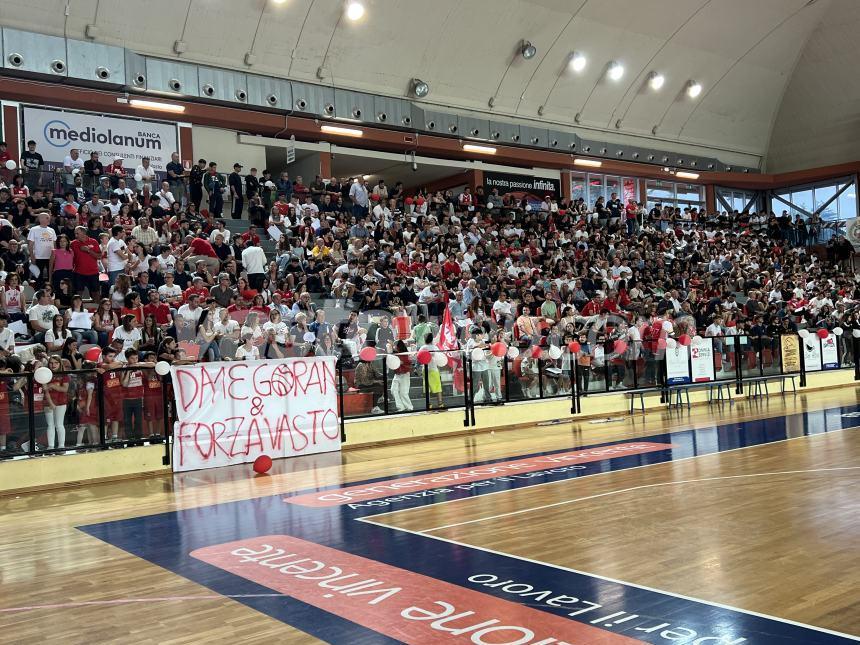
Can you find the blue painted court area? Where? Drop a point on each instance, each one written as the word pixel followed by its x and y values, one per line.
pixel 613 611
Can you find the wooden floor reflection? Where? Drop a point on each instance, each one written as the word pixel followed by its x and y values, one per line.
pixel 773 528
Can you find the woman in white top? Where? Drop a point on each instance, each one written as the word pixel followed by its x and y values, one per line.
pixel 276 325
pixel 56 336
pixel 13 302
pixel 252 328
pixel 247 351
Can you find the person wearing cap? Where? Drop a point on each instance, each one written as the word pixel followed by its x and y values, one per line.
pixel 237 191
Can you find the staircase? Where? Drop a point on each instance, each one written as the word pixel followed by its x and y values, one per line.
pixel 239 226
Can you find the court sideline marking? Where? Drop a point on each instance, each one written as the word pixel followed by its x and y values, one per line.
pixel 635 488
pixel 369 520
pixel 126 601
pixel 613 472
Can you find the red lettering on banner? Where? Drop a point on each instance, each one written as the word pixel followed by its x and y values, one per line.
pixel 404 605
pixel 378 490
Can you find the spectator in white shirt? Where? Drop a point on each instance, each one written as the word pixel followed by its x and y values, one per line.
pixel 145 172
pixel 7 336
pixel 254 261
pixel 117 253
pixel 165 197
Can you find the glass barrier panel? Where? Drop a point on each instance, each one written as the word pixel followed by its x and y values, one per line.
pixel 14 416
pixel 365 389
pixel 749 356
pixel 84 417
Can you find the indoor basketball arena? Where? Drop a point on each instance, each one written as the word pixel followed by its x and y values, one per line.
pixel 502 322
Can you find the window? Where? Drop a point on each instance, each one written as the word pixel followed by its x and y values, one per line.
pixel 577 187
pixel 736 200
pixel 814 198
pixel 592 186
pixel 668 193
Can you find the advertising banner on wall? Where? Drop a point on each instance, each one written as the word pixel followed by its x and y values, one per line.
pixel 677 364
pixel 56 132
pixel 532 188
pixel 812 354
pixel 702 360
pixel 790 353
pixel 829 353
pixel 232 413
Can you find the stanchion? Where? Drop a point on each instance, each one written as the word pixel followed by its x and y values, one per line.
pixel 384 386
pixel 100 394
pixel 855 342
pixel 739 386
pixel 31 417
pixel 427 385
pixel 165 413
pixel 802 362
pixel 342 414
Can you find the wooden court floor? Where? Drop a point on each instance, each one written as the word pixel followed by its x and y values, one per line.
pixel 773 528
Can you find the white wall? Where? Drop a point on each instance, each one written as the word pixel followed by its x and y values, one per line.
pixel 224 148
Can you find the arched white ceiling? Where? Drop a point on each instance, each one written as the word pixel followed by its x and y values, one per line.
pixel 743 52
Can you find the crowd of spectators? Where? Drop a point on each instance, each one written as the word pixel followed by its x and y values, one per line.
pixel 140 264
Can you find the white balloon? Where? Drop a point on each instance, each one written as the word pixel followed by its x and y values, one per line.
pixel 490 205
pixel 43 375
pixel 856 333
pixel 11 165
pixel 528 207
pixel 309 337
pixel 513 352
pixel 554 352
pixel 76 171
pixel 803 333
pixel 138 177
pixel 697 340
pixel 838 331
pixel 162 368
pixel 667 326
pixel 670 343
pixel 477 354
pixel 269 184
pixel 440 359
pixel 392 361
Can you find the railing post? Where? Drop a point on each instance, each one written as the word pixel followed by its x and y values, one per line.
pixel 606 370
pixel 165 403
pixel 507 379
pixel 802 362
pixel 574 385
pixel 540 378
pixel 467 388
pixel 739 389
pixel 384 386
pixel 342 415
pixel 31 417
pixel 427 385
pixel 854 343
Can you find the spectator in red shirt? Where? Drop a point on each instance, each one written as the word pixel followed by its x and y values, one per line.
pixel 592 307
pixel 201 250
pixel 157 309
pixel 450 267
pixel 198 287
pixel 86 253
pixel 251 234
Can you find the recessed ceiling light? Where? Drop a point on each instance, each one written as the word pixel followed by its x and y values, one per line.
pixel 354 10
pixel 615 71
pixel 591 163
pixel 694 89
pixel 485 150
pixel 577 61
pixel 656 81
pixel 346 132
pixel 687 175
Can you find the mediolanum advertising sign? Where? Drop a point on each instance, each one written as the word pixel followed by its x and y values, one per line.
pixel 56 132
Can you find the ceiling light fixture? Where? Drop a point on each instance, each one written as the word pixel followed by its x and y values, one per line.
pixel 694 89
pixel 345 132
pixel 156 105
pixel 527 50
pixel 484 150
pixel 420 88
pixel 591 163
pixel 656 80
pixel 577 61
pixel 615 71
pixel 354 10
pixel 279 1
pixel 686 175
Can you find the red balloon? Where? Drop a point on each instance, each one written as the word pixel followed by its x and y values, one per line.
pixel 374 197
pixel 499 349
pixel 574 347
pixel 408 201
pixel 561 211
pixel 262 464
pixel 536 351
pixel 684 340
pixel 424 357
pixel 420 201
pixel 93 354
pixel 822 333
pixel 620 346
pixel 367 354
pixel 661 343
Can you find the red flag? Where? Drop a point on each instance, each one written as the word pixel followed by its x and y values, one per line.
pixel 447 341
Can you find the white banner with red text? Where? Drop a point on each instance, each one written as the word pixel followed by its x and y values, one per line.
pixel 234 412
